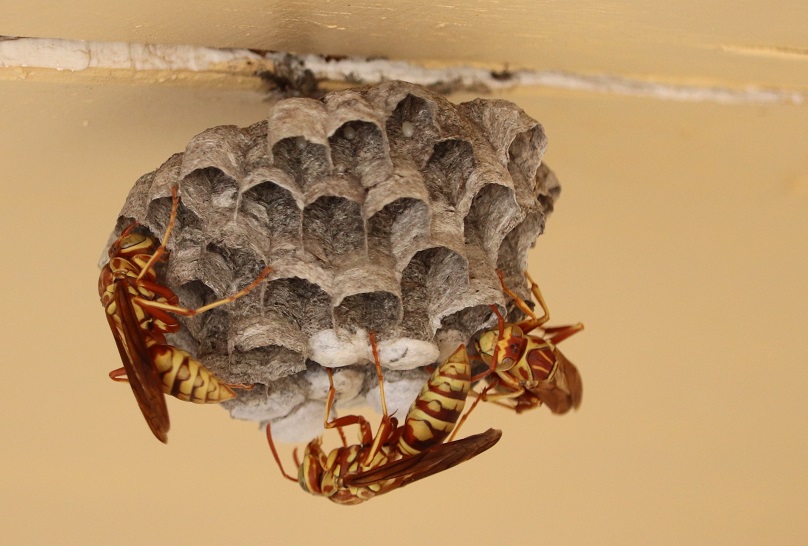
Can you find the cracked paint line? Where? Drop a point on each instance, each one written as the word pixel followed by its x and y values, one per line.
pixel 372 71
pixel 78 55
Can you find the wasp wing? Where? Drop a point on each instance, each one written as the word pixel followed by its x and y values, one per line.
pixel 565 390
pixel 430 461
pixel 140 370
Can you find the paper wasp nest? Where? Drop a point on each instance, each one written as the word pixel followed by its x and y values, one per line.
pixel 384 208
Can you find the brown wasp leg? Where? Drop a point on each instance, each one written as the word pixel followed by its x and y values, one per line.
pixel 295 458
pixel 386 426
pixel 157 289
pixel 560 333
pixel 155 305
pixel 502 404
pixel 240 386
pixel 521 303
pixel 533 322
pixel 480 396
pixel 132 225
pixel 119 375
pixel 534 289
pixel 278 459
pixel 342 437
pixel 364 426
pixel 378 364
pixel 504 395
pixel 158 253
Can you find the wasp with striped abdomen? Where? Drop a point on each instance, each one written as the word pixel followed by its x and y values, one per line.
pixel 525 369
pixel 139 311
pixel 396 455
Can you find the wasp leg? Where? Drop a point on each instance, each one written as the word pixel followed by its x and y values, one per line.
pixel 342 437
pixel 158 289
pixel 512 407
pixel 534 321
pixel 507 395
pixel 364 426
pixel 239 386
pixel 128 229
pixel 480 396
pixel 534 289
pixel 119 375
pixel 386 426
pixel 560 333
pixel 158 253
pixel 275 454
pixel 154 305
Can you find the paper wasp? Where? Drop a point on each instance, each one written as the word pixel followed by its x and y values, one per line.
pixel 138 311
pixel 396 455
pixel 525 368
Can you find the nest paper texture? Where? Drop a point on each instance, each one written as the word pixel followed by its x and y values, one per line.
pixel 384 208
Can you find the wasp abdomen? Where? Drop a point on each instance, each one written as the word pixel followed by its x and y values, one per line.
pixel 437 408
pixel 186 378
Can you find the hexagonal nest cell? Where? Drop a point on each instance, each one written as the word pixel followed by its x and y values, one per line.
pixel 383 208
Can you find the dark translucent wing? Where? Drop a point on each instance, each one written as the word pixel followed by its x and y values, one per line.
pixel 430 461
pixel 574 381
pixel 140 370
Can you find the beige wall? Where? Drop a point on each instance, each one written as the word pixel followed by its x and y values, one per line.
pixel 680 240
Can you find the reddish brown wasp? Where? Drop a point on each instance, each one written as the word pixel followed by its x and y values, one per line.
pixel 138 311
pixel 396 455
pixel 525 368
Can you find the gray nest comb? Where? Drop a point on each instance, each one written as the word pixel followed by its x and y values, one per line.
pixel 383 208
